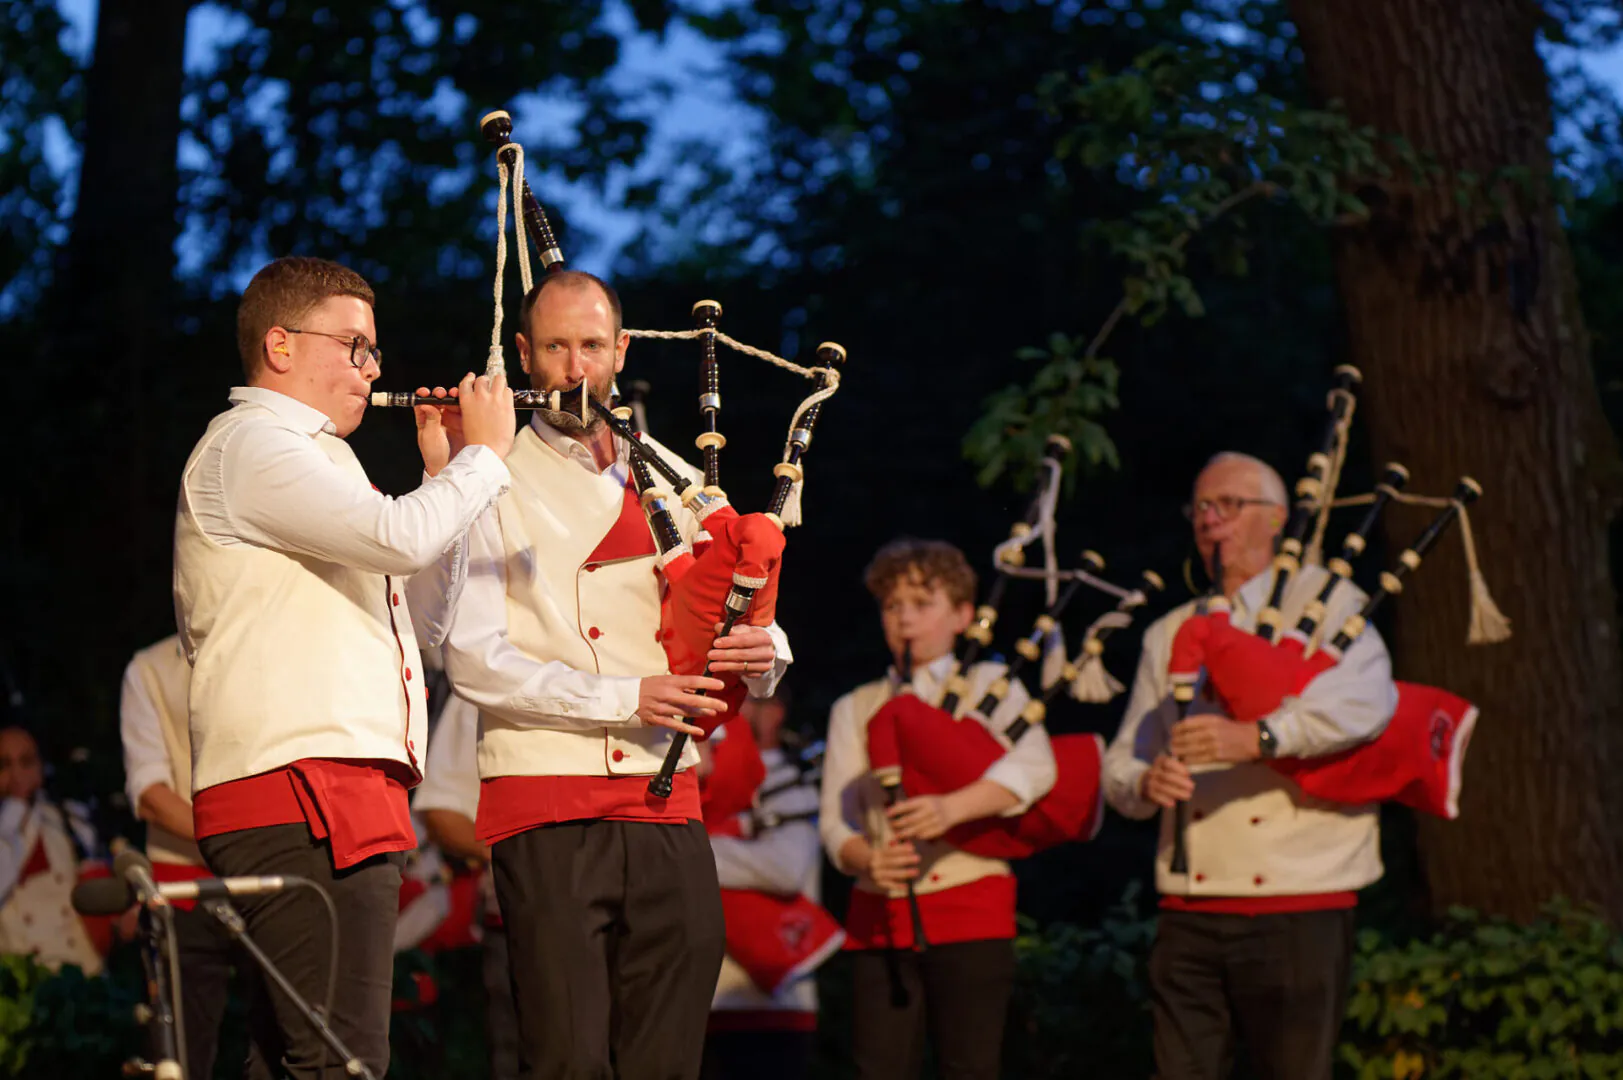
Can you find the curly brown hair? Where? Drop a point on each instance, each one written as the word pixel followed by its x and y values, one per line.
pixel 927 562
pixel 282 293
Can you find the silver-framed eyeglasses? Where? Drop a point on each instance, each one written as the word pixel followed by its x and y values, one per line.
pixel 1227 506
pixel 360 349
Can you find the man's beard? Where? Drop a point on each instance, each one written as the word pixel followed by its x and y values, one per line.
pixel 571 421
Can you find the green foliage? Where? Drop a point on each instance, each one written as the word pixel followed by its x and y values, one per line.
pixel 39 87
pixel 1081 1000
pixel 1187 130
pixel 63 1023
pixel 1485 998
pixel 1068 393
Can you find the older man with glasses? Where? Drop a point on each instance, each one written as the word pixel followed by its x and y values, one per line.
pixel 1255 939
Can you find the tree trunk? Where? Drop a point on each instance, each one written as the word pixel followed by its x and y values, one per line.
pixel 1465 322
pixel 110 327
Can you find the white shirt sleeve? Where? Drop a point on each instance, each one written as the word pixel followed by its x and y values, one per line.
pixel 276 488
pixel 1142 734
pixel 777 862
pixel 845 763
pixel 451 766
pixel 146 758
pixel 491 672
pixel 1343 706
pixel 762 686
pixel 1028 770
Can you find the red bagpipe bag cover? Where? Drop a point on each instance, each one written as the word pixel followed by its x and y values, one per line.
pixel 746 546
pixel 1417 760
pixel 775 939
pixel 940 754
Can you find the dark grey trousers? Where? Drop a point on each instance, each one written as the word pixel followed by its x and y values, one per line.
pixel 615 938
pixel 1276 983
pixel 958 993
pixel 292 928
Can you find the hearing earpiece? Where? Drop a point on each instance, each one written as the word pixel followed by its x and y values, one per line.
pixel 281 349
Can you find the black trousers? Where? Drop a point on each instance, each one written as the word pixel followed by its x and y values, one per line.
pixel 1276 983
pixel 751 1055
pixel 959 993
pixel 292 928
pixel 501 1022
pixel 615 938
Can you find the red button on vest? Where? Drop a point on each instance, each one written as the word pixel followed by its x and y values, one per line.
pixel 1257 880
pixel 1198 814
pixel 593 633
pixel 1200 877
pixel 408 674
pixel 1256 821
pixel 619 755
pixel 396 599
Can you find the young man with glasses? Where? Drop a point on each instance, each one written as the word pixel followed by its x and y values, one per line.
pixel 1255 940
pixel 292 579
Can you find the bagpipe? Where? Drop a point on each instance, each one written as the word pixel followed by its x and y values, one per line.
pixel 729 573
pixel 1418 759
pixel 922 748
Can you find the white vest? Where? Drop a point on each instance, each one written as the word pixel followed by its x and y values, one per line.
pixel 941 866
pixel 292 657
pixel 600 617
pixel 1251 831
pixel 167 676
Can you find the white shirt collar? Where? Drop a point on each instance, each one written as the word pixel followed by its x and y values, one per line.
pixel 304 417
pixel 1253 595
pixel 577 451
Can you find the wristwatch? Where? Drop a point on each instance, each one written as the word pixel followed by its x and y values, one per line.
pixel 1267 745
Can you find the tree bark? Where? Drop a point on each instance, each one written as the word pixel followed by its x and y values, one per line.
pixel 109 323
pixel 1465 322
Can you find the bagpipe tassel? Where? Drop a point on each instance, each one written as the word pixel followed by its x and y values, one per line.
pixel 1094 685
pixel 1489 625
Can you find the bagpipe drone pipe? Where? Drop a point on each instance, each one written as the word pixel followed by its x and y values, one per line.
pixel 934 749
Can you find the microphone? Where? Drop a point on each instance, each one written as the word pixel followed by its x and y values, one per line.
pixel 133 884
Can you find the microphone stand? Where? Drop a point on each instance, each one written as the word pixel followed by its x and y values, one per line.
pixel 158 1013
pixel 232 921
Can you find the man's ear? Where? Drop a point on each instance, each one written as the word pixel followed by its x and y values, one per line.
pixel 278 350
pixel 620 348
pixel 523 345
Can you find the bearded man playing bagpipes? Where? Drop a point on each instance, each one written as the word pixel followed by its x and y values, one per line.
pixel 608 892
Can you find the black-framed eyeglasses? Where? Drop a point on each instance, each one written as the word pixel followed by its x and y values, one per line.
pixel 360 349
pixel 1227 506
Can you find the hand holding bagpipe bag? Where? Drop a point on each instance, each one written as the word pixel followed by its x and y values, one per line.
pixel 938 754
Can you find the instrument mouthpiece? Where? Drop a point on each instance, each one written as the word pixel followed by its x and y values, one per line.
pixel 380 398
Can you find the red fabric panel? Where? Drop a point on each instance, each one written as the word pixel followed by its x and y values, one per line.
pixel 736 772
pixel 509 805
pixel 629 537
pixel 1261 905
pixel 982 910
pixel 359 807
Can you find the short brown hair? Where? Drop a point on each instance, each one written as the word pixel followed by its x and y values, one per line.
pixel 284 292
pixel 928 562
pixel 574 279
